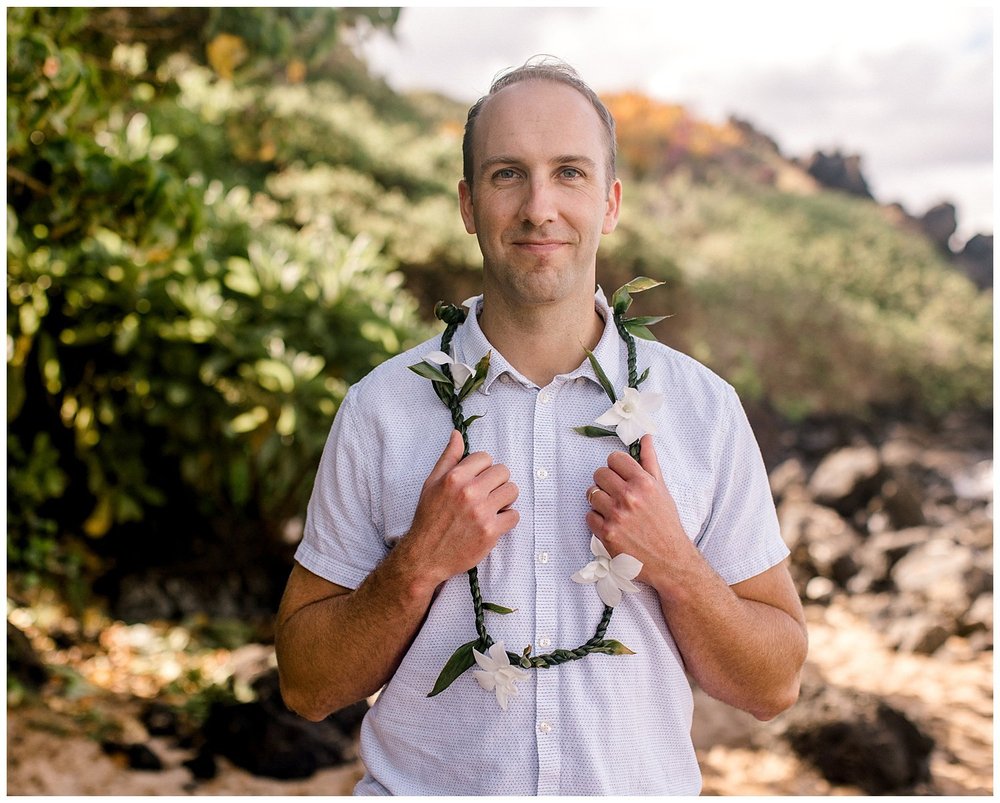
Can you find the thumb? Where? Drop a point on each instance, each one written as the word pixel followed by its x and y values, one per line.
pixel 647 458
pixel 450 457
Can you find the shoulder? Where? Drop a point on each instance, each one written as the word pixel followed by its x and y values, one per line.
pixel 678 373
pixel 392 381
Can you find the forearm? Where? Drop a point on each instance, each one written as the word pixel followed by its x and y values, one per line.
pixel 742 651
pixel 343 648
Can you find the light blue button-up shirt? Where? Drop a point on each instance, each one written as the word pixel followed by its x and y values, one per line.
pixel 600 725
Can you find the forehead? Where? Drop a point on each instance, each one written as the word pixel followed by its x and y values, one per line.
pixel 537 117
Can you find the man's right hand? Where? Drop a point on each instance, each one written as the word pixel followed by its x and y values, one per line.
pixel 464 509
pixel 337 645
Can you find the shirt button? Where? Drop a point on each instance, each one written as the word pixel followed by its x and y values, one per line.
pixel 544 727
pixel 545 398
pixel 542 473
pixel 543 557
pixel 544 642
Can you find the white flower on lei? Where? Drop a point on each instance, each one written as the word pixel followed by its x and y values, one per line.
pixel 630 415
pixel 496 673
pixel 460 372
pixel 613 575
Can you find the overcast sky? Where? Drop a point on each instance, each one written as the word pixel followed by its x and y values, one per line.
pixel 909 87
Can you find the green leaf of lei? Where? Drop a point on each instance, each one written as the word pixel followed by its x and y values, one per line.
pixel 461 660
pixel 640 331
pixel 601 376
pixel 646 320
pixel 428 371
pixel 622 298
pixel 613 647
pixel 478 377
pixel 595 432
pixel 492 606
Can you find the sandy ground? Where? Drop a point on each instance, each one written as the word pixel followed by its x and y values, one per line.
pixel 950 695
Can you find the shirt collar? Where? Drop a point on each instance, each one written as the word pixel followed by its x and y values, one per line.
pixel 470 345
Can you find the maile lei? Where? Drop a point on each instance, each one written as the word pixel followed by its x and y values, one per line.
pixel 453 381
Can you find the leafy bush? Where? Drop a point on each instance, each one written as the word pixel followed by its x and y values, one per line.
pixel 818 305
pixel 175 352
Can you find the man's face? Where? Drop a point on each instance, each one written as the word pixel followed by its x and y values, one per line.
pixel 539 201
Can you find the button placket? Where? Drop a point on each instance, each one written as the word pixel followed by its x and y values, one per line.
pixel 546 474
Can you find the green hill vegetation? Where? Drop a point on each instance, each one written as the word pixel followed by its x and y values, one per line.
pixel 217 220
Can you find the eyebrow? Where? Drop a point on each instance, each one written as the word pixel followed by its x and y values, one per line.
pixel 564 159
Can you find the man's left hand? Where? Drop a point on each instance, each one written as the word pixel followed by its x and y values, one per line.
pixel 633 512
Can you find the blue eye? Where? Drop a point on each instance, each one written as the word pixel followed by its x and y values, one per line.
pixel 570 172
pixel 505 174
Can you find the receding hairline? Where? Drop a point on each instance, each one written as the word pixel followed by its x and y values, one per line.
pixel 550 71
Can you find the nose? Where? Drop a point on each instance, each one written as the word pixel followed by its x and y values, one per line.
pixel 539 206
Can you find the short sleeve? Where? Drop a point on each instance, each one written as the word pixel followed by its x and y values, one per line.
pixel 342 541
pixel 741 538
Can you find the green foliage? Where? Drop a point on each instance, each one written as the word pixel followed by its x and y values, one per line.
pixel 176 352
pixel 210 215
pixel 819 305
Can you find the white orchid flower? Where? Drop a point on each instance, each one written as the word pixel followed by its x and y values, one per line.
pixel 460 372
pixel 630 415
pixel 613 575
pixel 497 674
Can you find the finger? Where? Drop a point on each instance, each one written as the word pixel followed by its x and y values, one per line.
pixel 495 475
pixel 507 520
pixel 648 459
pixel 504 496
pixel 609 480
pixel 450 457
pixel 473 465
pixel 601 502
pixel 596 523
pixel 622 464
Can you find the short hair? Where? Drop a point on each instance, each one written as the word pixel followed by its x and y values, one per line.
pixel 541 68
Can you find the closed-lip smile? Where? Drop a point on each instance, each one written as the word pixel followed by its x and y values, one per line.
pixel 539 245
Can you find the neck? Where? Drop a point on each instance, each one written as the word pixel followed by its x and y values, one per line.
pixel 545 340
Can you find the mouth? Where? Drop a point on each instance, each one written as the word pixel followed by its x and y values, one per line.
pixel 539 246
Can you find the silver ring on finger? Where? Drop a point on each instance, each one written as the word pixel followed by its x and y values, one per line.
pixel 590 493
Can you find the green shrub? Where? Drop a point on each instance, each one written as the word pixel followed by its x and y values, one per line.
pixel 175 353
pixel 818 304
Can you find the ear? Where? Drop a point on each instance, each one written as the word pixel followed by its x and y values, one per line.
pixel 614 207
pixel 465 204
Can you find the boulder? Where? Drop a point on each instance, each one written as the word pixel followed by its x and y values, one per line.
pixel 942 574
pixel 847 478
pixel 839 172
pixel 135 755
pixel 856 738
pixel 899 499
pixel 265 738
pixel 821 542
pixel 976 260
pixel 23 662
pixel 787 477
pixel 880 553
pixel 919 632
pixel 939 223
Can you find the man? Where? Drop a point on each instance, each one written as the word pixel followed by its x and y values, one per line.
pixel 379 595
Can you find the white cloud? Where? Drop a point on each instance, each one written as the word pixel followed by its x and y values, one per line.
pixel 909 87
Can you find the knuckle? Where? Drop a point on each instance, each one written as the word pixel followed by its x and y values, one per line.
pixel 630 499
